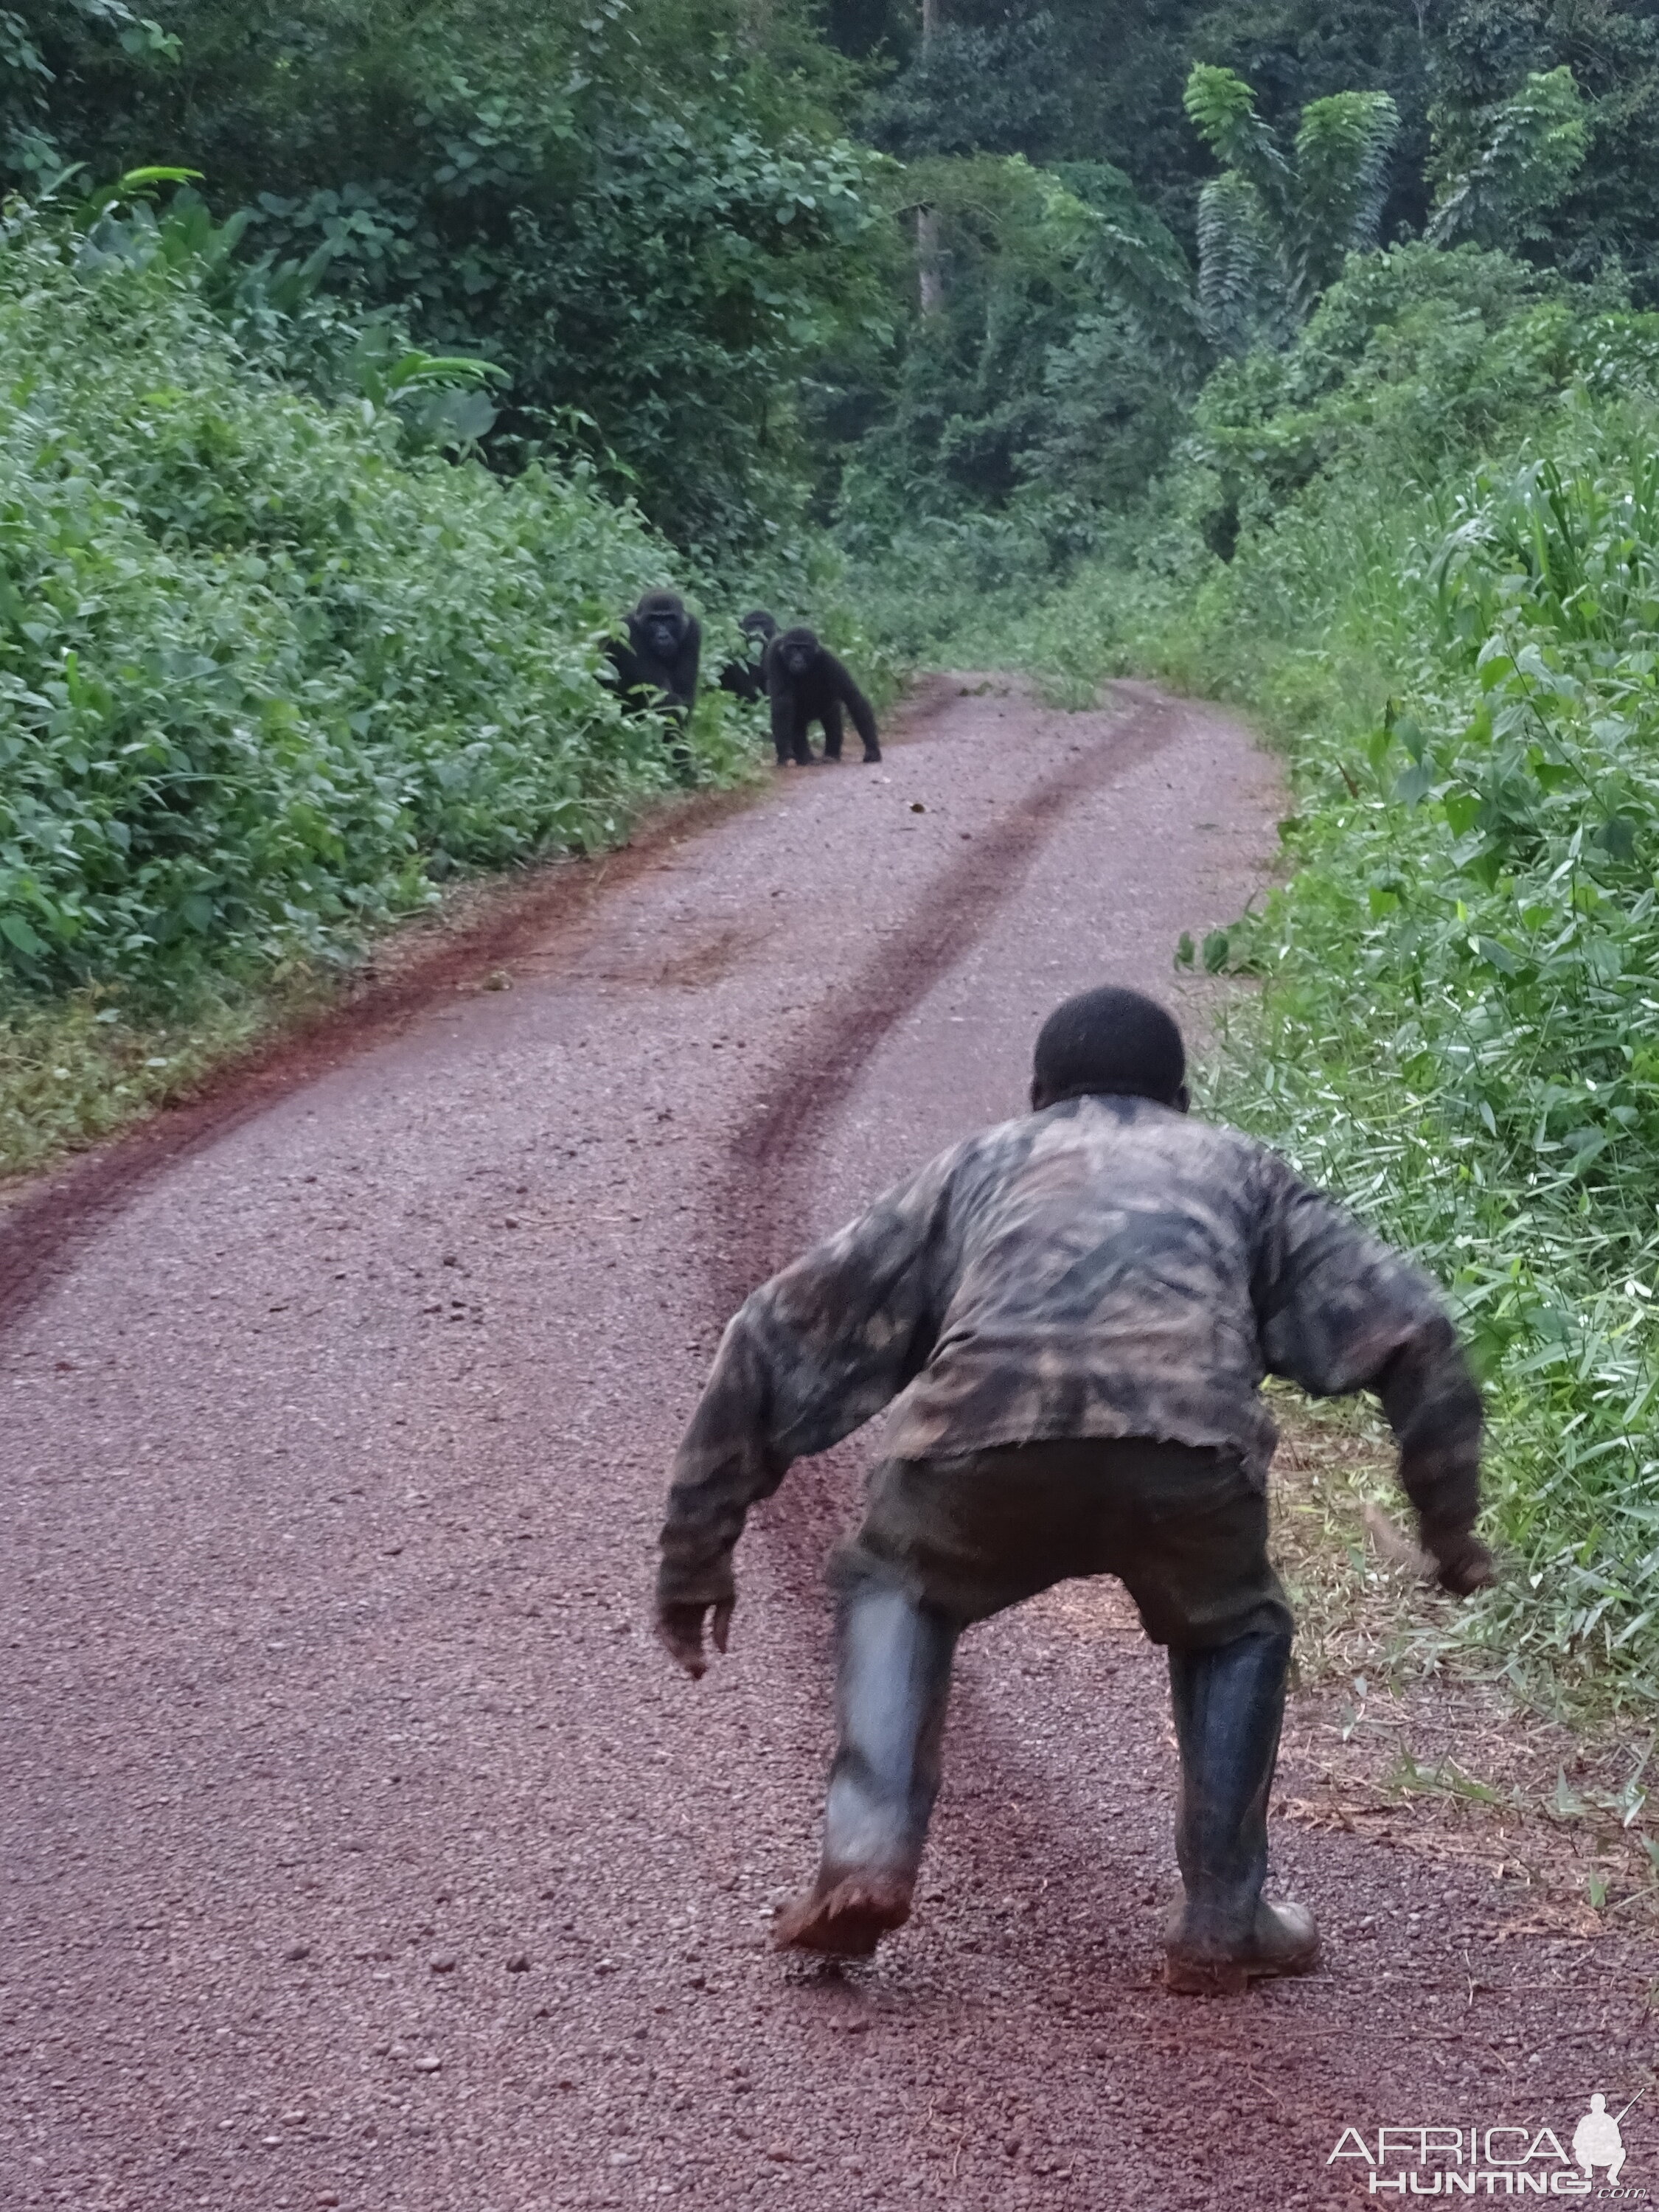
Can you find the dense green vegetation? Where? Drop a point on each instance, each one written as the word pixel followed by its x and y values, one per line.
pixel 1306 355
pixel 646 216
pixel 265 666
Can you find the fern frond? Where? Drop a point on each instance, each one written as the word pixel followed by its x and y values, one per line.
pixel 1342 150
pixel 1151 279
pixel 1241 293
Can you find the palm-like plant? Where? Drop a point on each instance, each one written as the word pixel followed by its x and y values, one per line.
pixel 1273 228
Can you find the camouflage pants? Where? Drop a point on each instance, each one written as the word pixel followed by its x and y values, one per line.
pixel 1184 1530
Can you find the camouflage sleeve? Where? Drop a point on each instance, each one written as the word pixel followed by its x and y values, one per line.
pixel 808 1358
pixel 1340 1311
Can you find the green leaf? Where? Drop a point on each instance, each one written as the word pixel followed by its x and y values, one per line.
pixel 1497 956
pixel 1585 1145
pixel 18 932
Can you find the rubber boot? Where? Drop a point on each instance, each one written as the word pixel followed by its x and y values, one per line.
pixel 1229 1706
pixel 893 1683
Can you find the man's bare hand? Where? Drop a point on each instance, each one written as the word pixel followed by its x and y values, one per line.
pixel 1464 1567
pixel 680 1631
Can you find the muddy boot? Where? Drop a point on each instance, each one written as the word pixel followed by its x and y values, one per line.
pixel 1229 1704
pixel 892 1686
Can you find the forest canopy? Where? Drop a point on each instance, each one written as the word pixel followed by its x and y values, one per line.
pixel 771 265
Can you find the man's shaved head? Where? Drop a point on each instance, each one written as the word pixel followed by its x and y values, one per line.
pixel 1109 1040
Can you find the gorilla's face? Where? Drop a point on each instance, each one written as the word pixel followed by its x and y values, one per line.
pixel 798 660
pixel 664 635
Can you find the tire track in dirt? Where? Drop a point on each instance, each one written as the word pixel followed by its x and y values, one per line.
pixel 771 1153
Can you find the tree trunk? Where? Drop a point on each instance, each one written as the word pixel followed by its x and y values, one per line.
pixel 930 283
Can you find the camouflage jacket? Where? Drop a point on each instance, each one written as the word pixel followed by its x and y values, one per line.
pixel 1108 1268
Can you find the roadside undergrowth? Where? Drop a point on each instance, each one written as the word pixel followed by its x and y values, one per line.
pixel 76 1069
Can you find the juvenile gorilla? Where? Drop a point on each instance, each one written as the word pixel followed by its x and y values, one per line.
pixel 659 664
pixel 805 684
pixel 745 679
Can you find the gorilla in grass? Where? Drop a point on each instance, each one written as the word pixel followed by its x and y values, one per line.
pixel 745 679
pixel 658 666
pixel 806 683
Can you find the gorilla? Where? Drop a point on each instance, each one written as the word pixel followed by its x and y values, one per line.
pixel 745 679
pixel 806 683
pixel 658 666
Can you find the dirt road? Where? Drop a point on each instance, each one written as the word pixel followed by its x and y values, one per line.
pixel 360 1847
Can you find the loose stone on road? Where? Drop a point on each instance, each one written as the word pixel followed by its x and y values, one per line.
pixel 362 1848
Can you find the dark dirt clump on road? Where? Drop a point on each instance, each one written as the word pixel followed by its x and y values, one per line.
pixel 361 1848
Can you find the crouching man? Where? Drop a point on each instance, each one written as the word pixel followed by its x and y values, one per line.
pixel 1074 1311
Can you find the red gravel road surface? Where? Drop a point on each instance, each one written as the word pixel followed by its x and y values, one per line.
pixel 361 1848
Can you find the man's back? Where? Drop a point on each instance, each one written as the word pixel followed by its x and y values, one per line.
pixel 1104 1267
pixel 1095 1270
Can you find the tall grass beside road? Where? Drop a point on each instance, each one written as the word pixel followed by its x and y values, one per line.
pixel 267 673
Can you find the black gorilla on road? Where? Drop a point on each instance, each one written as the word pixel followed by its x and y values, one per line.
pixel 658 666
pixel 745 679
pixel 805 684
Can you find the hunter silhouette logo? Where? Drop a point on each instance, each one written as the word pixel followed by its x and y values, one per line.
pixel 1596 2140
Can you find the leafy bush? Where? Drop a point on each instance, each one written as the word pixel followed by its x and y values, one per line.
pixel 266 670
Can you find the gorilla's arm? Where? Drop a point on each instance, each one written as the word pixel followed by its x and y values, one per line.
pixel 684 671
pixel 864 720
pixel 744 680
